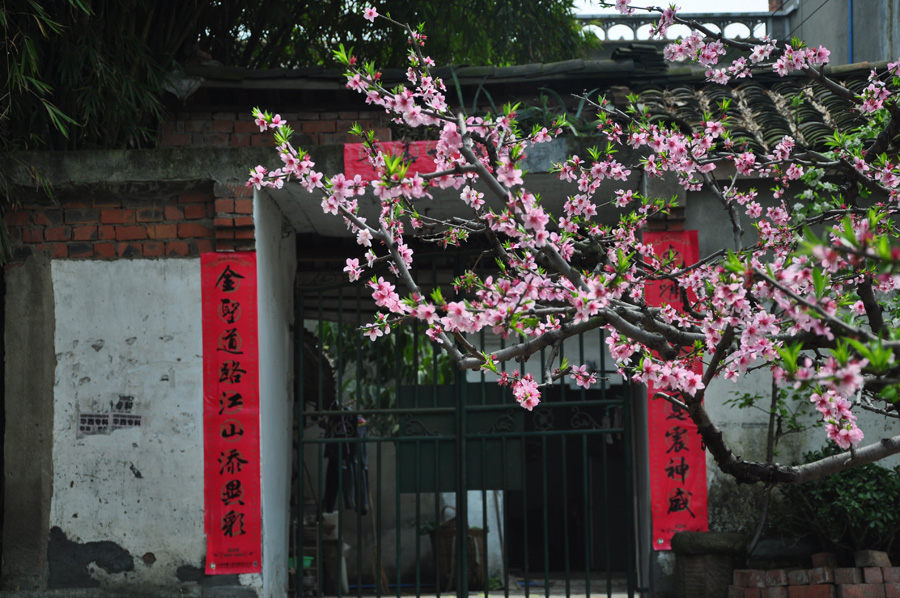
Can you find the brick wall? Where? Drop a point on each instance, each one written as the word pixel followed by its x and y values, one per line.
pixel 217 218
pixel 230 129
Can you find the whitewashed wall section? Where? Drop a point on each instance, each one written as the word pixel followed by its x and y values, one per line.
pixel 128 342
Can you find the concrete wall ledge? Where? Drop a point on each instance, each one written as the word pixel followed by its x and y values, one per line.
pixel 172 165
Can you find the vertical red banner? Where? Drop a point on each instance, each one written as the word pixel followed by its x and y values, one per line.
pixel 233 518
pixel 678 491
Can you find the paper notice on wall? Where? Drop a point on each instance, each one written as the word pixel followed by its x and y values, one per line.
pixel 678 491
pixel 231 414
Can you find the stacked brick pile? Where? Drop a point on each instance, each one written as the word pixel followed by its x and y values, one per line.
pixel 872 577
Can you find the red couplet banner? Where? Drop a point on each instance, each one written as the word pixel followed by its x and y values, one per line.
pixel 419 153
pixel 231 413
pixel 678 494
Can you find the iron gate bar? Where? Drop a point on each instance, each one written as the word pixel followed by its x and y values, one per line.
pixel 595 485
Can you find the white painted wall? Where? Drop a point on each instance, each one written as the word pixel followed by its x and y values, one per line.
pixel 276 262
pixel 131 328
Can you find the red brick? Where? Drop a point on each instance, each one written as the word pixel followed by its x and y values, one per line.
pixel 261 140
pixel 240 140
pixel 173 213
pixel 224 206
pixel 82 216
pixel 318 126
pixel 84 233
pixel 216 140
pixel 224 222
pixel 243 206
pixel 244 233
pixel 197 126
pixel 774 592
pixel 58 250
pixel 71 204
pixel 822 591
pixel 860 590
pixel 244 221
pixel 224 245
pixel 753 592
pixel 153 214
pixel 104 250
pixel 736 592
pixel 798 577
pixel 48 218
pixel 195 197
pixel 383 133
pixel 820 575
pixel 224 233
pixel 130 233
pixel 873 575
pixel 229 116
pixel 776 577
pixel 191 230
pixel 17 218
pixel 891 574
pixel 129 249
pixel 162 231
pixel 348 115
pixel 57 233
pixel 105 201
pixel 892 590
pixel 77 250
pixel 195 211
pixel 32 235
pixel 117 216
pixel 177 248
pixel 847 575
pixel 106 233
pixel 824 559
pixel 204 246
pixel 871 558
pixel 244 126
pixel 154 249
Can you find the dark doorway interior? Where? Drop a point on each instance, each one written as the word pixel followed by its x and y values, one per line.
pixel 576 490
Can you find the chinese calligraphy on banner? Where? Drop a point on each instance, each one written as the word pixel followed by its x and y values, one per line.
pixel 677 459
pixel 231 413
pixel 419 153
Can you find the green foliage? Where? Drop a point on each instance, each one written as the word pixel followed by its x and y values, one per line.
pixel 851 510
pixel 368 372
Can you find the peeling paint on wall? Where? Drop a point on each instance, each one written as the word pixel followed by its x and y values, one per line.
pixel 69 561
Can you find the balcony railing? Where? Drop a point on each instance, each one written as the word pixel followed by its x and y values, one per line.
pixel 613 27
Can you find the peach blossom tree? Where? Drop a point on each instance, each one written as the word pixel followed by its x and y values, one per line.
pixel 809 294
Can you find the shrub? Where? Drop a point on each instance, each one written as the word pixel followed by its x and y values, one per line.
pixel 852 510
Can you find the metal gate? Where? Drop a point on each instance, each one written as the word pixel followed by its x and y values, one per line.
pixel 411 477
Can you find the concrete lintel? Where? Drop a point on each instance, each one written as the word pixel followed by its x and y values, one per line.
pixel 157 166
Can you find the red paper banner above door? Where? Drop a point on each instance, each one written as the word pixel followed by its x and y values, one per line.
pixel 231 413
pixel 678 492
pixel 420 155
